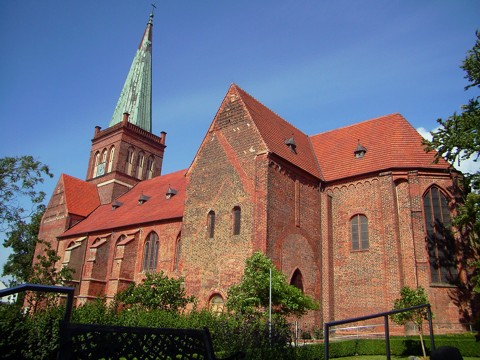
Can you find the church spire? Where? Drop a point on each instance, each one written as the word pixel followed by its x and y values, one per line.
pixel 136 95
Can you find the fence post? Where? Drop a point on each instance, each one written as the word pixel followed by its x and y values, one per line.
pixel 387 337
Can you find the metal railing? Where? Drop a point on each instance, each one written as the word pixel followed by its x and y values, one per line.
pixel 385 315
pixel 45 288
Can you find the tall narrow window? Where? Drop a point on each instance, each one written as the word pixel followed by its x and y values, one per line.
pixel 359 232
pixel 111 158
pixel 150 252
pixel 178 253
pixel 237 213
pixel 297 203
pixel 140 160
pixel 97 161
pixel 130 157
pixel 150 167
pixel 440 241
pixel 211 224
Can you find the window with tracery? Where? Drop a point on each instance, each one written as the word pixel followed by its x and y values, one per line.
pixel 150 252
pixel 359 232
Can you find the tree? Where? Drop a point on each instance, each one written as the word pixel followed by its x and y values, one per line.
pixel 412 297
pixel 22 239
pixel 458 139
pixel 251 295
pixel 21 210
pixel 158 291
pixel 18 178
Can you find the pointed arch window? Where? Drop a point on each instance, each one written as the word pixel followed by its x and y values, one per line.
pixel 359 232
pixel 178 252
pixel 297 280
pixel 439 237
pixel 236 213
pixel 140 163
pixel 217 304
pixel 130 158
pixel 150 252
pixel 150 167
pixel 211 224
pixel 111 157
pixel 97 161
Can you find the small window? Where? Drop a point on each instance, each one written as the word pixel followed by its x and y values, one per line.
pixel 217 304
pixel 150 252
pixel 130 157
pixel 211 224
pixel 97 161
pixel 236 220
pixel 359 232
pixel 110 159
pixel 140 160
pixel 150 167
pixel 297 280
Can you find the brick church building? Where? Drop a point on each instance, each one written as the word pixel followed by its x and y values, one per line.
pixel 350 216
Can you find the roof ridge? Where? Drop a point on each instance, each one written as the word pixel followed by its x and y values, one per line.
pixel 359 123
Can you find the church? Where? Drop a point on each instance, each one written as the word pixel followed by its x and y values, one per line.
pixel 349 216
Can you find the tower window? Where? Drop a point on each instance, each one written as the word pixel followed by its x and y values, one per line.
pixel 359 232
pixel 111 158
pixel 236 220
pixel 211 224
pixel 440 241
pixel 129 164
pixel 150 252
pixel 140 160
pixel 150 167
pixel 297 280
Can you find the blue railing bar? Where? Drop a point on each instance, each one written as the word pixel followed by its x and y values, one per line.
pixel 45 288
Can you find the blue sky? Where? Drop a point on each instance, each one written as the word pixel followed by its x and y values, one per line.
pixel 318 64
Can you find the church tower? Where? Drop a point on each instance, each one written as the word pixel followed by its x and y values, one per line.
pixel 127 151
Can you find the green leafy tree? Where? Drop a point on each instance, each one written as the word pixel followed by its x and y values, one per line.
pixel 412 297
pixel 458 139
pixel 156 292
pixel 21 210
pixel 252 294
pixel 22 239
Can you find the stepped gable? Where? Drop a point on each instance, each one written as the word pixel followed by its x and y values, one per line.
pixel 275 131
pixel 81 197
pixel 390 142
pixel 127 210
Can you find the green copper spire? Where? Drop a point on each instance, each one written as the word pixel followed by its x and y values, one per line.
pixel 136 96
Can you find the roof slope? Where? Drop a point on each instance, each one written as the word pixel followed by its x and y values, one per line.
pixel 81 197
pixel 390 140
pixel 275 130
pixel 130 212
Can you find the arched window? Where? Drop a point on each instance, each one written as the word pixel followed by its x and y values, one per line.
pixel 236 213
pixel 217 304
pixel 140 160
pixel 211 224
pixel 150 252
pixel 97 161
pixel 440 241
pixel 150 167
pixel 111 158
pixel 129 164
pixel 359 232
pixel 297 280
pixel 178 252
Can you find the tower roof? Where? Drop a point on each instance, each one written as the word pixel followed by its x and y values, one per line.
pixel 136 95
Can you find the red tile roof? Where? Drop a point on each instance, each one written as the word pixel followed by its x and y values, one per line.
pixel 391 143
pixel 275 130
pixel 81 197
pixel 130 213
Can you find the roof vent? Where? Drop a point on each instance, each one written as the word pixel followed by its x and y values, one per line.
pixel 116 204
pixel 360 150
pixel 291 144
pixel 143 198
pixel 170 192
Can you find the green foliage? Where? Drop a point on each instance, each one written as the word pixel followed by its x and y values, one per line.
pixel 22 239
pixel 157 291
pixel 18 178
pixel 458 139
pixel 411 297
pixel 251 296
